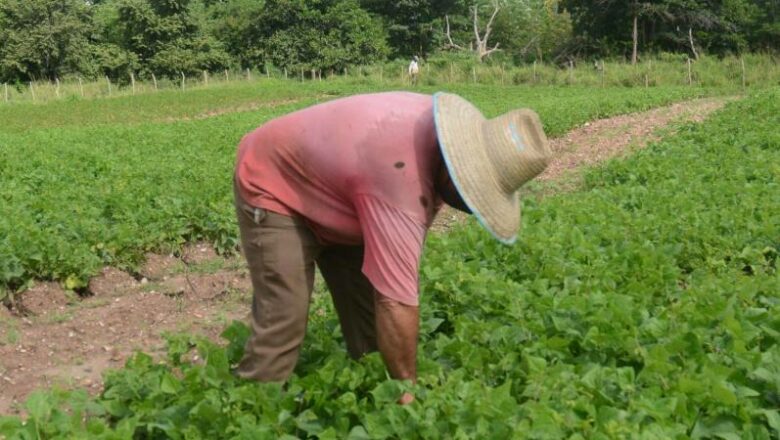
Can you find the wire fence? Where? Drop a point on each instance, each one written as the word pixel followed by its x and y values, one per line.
pixel 748 71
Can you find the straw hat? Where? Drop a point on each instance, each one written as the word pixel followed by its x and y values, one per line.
pixel 490 159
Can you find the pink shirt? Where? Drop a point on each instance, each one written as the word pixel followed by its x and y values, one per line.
pixel 360 170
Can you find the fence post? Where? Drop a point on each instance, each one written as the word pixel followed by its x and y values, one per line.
pixel 132 81
pixel 57 89
pixel 302 75
pixel 81 88
pixel 690 76
pixel 227 77
pixel 109 85
pixel 603 73
pixel 534 71
pixel 182 80
pixel 474 74
pixel 248 74
pixel 571 71
pixel 285 73
pixel 154 80
pixel 744 76
pixel 205 78
pixel 5 89
pixel 267 71
pixel 647 82
pixel 32 91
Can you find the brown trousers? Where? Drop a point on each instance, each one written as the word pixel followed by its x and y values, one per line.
pixel 281 252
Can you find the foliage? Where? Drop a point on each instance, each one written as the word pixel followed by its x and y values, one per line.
pixel 328 34
pixel 43 38
pixel 76 198
pixel 644 306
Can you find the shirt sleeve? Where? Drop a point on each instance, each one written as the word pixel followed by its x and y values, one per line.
pixel 393 243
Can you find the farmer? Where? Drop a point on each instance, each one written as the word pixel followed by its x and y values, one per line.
pixel 352 185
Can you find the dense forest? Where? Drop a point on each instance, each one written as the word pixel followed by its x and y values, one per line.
pixel 47 39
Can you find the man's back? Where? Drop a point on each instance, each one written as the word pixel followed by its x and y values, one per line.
pixel 359 170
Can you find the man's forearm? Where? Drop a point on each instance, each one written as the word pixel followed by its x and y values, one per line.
pixel 396 333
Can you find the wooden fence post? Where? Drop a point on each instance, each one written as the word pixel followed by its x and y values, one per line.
pixel 690 76
pixel 132 81
pixel 154 80
pixel 205 78
pixel 32 91
pixel 474 74
pixel 267 71
pixel 5 89
pixel 744 76
pixel 248 74
pixel 603 73
pixel 534 71
pixel 571 71
pixel 57 89
pixel 108 81
pixel 81 88
pixel 182 80
pixel 227 77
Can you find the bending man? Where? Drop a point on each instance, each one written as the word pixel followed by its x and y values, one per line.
pixel 352 186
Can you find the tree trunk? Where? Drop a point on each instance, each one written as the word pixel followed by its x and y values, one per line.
pixel 693 47
pixel 635 36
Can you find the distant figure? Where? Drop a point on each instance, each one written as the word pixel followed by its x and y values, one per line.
pixel 414 70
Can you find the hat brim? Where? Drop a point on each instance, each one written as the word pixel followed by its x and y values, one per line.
pixel 459 129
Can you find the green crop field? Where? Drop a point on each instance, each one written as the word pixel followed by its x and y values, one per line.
pixel 91 183
pixel 643 305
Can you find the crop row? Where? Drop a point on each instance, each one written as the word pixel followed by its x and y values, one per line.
pixel 80 191
pixel 644 306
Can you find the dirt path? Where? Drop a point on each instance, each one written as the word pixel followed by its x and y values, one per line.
pixel 603 139
pixel 68 341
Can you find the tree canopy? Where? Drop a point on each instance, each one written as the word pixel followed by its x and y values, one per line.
pixel 42 39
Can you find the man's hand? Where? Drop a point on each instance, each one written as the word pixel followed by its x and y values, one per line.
pixel 397 327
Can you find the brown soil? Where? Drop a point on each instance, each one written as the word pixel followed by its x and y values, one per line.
pixel 57 337
pixel 68 341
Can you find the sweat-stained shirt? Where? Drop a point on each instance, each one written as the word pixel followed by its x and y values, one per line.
pixel 359 170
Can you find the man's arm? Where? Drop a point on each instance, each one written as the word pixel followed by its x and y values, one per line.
pixel 397 327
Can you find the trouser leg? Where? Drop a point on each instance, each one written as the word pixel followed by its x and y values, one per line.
pixel 353 296
pixel 280 253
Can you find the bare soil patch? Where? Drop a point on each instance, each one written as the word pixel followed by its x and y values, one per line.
pixel 70 341
pixel 58 338
pixel 603 139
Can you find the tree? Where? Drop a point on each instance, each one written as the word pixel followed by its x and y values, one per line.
pixel 412 25
pixel 327 34
pixel 532 29
pixel 166 37
pixel 43 38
